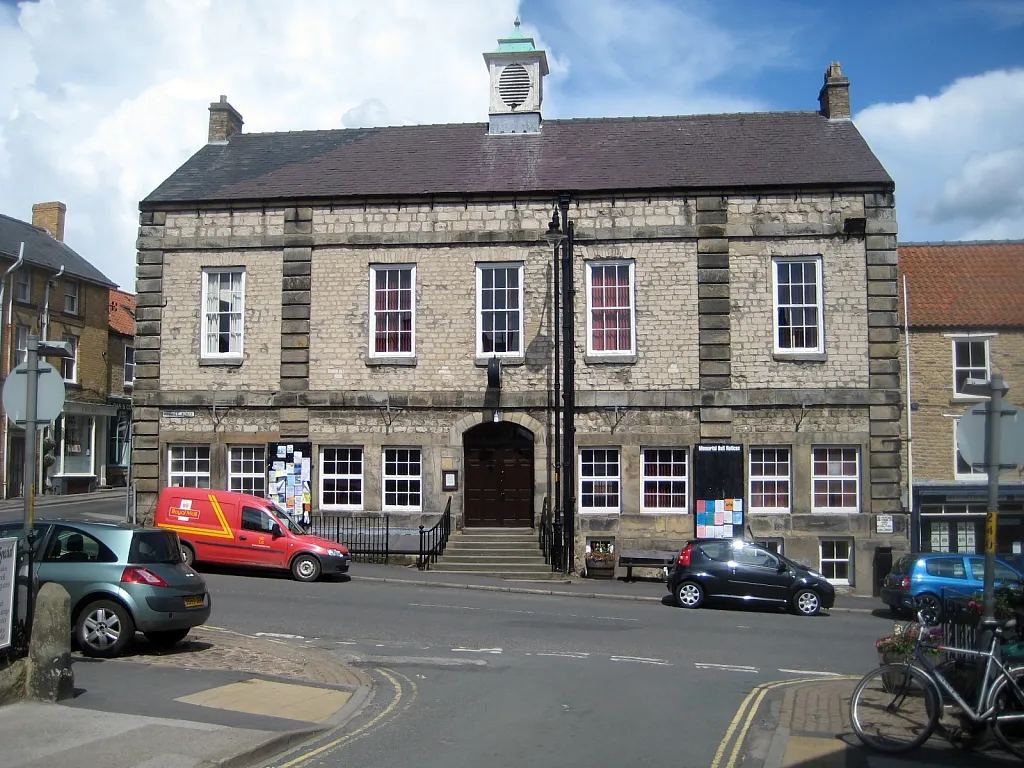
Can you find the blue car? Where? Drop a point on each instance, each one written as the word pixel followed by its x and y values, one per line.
pixel 930 578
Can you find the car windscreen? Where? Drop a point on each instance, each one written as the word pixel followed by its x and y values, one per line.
pixel 286 518
pixel 149 547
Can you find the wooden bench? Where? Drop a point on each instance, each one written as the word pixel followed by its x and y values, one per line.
pixel 645 558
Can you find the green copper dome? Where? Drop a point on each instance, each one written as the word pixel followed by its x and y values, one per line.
pixel 517 43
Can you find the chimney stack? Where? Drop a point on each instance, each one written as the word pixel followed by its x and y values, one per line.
pixel 834 96
pixel 225 122
pixel 50 216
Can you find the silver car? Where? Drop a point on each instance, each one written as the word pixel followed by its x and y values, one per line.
pixel 121 579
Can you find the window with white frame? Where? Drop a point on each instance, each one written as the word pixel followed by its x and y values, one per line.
pixel 247 469
pixel 76 435
pixel 393 310
pixel 23 286
pixel 769 479
pixel 610 308
pixel 970 361
pixel 20 344
pixel 188 466
pixel 773 545
pixel 69 365
pixel 223 324
pixel 129 366
pixel 798 306
pixel 664 478
pixel 963 470
pixel 835 476
pixel 599 480
pixel 403 479
pixel 836 557
pixel 71 302
pixel 341 478
pixel 499 319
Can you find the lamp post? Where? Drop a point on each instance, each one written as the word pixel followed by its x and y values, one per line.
pixel 561 233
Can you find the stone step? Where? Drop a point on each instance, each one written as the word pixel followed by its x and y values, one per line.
pixel 524 532
pixel 493 546
pixel 443 564
pixel 489 560
pixel 517 576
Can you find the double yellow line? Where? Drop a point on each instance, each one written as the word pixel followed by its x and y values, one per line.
pixel 737 734
pixel 364 729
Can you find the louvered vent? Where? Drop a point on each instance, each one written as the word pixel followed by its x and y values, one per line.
pixel 514 85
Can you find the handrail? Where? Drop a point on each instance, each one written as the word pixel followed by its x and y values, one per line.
pixel 544 532
pixel 434 540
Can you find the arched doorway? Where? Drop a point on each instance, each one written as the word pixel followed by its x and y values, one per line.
pixel 499 476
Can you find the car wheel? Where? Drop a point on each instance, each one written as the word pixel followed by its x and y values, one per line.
pixel 188 555
pixel 689 594
pixel 930 604
pixel 806 602
pixel 167 638
pixel 306 568
pixel 104 629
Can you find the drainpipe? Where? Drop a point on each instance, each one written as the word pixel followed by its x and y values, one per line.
pixel 915 528
pixel 5 322
pixel 44 335
pixel 44 326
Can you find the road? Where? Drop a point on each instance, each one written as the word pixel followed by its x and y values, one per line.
pixel 106 507
pixel 498 679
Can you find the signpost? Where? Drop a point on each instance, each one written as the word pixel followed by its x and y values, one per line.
pixel 1002 426
pixel 8 560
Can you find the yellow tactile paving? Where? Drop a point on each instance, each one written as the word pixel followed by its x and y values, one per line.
pixel 821 753
pixel 263 697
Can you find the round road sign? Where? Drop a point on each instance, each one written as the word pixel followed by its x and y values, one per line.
pixel 970 435
pixel 49 395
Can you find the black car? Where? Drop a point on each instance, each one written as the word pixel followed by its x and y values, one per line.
pixel 735 570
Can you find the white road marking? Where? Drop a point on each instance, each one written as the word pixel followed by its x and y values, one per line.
pixel 346 642
pixel 567 655
pixel 641 660
pixel 280 635
pixel 809 672
pixel 476 650
pixel 726 667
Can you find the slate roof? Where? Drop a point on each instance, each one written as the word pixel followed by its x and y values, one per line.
pixel 771 149
pixel 122 313
pixel 964 285
pixel 42 250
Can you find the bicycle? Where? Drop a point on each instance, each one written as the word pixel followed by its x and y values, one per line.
pixel 907 698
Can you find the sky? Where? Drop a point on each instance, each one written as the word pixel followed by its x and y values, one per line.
pixel 101 100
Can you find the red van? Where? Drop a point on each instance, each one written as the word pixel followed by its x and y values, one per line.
pixel 238 529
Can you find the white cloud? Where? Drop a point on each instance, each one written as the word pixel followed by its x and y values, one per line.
pixel 957 158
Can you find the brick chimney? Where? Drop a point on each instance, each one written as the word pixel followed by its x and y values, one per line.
pixel 834 96
pixel 225 121
pixel 50 216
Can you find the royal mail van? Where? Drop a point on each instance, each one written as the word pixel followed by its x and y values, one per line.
pixel 238 529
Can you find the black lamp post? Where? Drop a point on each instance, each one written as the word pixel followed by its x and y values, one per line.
pixel 565 470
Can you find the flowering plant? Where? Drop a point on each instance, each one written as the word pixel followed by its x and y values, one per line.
pixel 1008 602
pixel 903 640
pixel 601 552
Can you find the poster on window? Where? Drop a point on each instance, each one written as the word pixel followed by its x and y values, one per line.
pixel 718 489
pixel 288 478
pixel 8 558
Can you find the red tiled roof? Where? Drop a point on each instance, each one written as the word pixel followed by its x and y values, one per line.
pixel 964 285
pixel 122 313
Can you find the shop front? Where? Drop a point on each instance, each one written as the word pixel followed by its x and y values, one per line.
pixel 74 458
pixel 950 517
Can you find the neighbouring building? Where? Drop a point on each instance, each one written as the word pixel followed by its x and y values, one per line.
pixel 58 295
pixel 341 295
pixel 121 379
pixel 965 313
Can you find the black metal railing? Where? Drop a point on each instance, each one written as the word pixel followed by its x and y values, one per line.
pixel 544 531
pixel 434 540
pixel 375 538
pixel 552 539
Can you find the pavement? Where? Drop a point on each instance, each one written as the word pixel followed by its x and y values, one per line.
pixel 219 698
pixel 806 724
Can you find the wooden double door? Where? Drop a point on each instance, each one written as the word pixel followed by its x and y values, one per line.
pixel 499 476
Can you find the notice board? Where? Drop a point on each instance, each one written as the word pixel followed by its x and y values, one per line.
pixel 718 489
pixel 289 468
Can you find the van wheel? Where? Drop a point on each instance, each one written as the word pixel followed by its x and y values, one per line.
pixel 306 568
pixel 188 555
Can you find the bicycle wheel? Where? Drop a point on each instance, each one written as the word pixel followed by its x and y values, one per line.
pixel 1008 703
pixel 895 708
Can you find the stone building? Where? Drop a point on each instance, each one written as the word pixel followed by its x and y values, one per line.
pixel 59 295
pixel 120 381
pixel 965 316
pixel 343 291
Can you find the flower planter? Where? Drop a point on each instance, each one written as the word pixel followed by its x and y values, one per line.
pixel 600 569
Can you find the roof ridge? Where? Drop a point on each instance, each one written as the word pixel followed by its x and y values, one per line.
pixel 555 120
pixel 935 243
